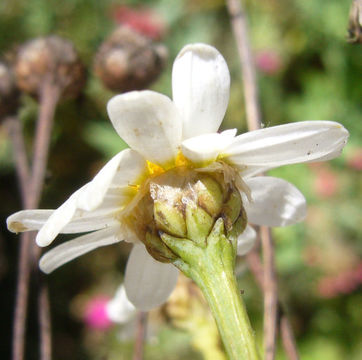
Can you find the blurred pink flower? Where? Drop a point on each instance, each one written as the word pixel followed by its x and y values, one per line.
pixel 268 61
pixel 142 20
pixel 343 283
pixel 95 315
pixel 354 160
pixel 326 182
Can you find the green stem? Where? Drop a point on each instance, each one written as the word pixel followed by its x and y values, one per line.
pixel 212 268
pixel 221 292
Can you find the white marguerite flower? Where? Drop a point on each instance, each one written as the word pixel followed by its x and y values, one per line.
pixel 119 309
pixel 164 134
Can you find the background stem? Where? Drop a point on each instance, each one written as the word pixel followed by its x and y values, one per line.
pixel 21 299
pixel 286 331
pixel 15 133
pixel 49 97
pixel 270 294
pixel 253 114
pixel 240 29
pixel 31 187
pixel 140 335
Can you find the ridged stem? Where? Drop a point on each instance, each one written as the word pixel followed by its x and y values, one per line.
pixel 212 268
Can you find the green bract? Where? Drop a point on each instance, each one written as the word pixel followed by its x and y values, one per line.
pixel 185 204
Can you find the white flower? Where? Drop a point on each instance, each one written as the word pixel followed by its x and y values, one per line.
pixel 162 134
pixel 119 309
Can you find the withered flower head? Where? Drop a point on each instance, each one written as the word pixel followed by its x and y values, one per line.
pixel 355 23
pixel 50 58
pixel 129 61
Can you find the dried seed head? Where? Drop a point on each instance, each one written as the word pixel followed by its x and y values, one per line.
pixel 52 59
pixel 185 204
pixel 355 23
pixel 9 94
pixel 129 61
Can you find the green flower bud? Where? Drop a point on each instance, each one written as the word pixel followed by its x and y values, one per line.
pixel 210 195
pixel 199 223
pixel 169 218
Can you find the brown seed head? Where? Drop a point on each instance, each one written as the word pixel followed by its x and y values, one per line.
pixel 50 58
pixel 129 61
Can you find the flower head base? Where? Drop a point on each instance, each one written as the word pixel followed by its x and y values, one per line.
pixel 180 178
pixel 184 203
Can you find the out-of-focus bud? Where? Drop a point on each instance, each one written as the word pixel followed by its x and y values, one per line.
pixel 95 315
pixel 129 61
pixel 354 159
pixel 9 94
pixel 50 58
pixel 187 309
pixel 268 61
pixel 143 20
pixel 326 183
pixel 355 23
pixel 343 283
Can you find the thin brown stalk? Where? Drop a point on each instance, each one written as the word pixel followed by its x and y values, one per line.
pixel 15 132
pixel 49 97
pixel 44 320
pixel 240 29
pixel 31 187
pixel 140 335
pixel 270 294
pixel 21 300
pixel 288 339
pixel 286 331
pixel 269 282
pixel 256 267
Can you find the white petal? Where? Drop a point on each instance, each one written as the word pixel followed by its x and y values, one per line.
pixel 208 146
pixel 275 202
pixel 288 144
pixel 27 220
pixel 120 309
pixel 92 207
pixel 246 241
pixel 200 87
pixel 89 221
pixel 72 249
pixel 148 122
pixel 58 220
pixel 122 169
pixel 250 171
pixel 148 282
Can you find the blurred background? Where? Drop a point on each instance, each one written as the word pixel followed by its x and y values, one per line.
pixel 306 71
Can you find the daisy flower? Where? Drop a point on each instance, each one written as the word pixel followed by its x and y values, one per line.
pixel 174 143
